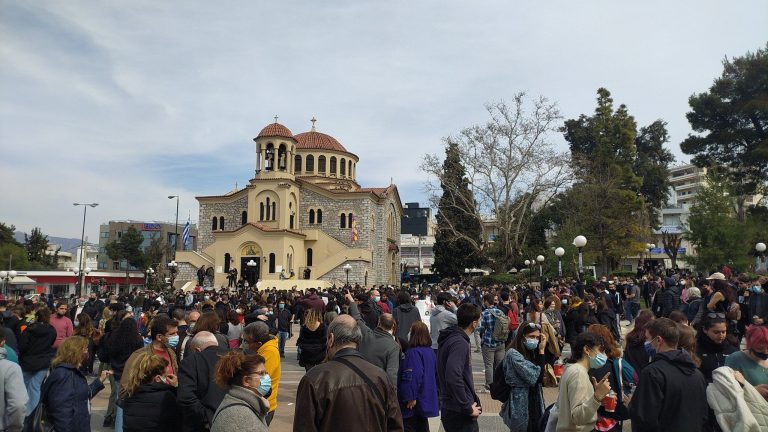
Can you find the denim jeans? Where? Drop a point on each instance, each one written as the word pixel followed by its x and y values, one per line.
pixel 282 337
pixel 137 312
pixel 491 358
pixel 33 381
pixel 630 310
pixel 118 410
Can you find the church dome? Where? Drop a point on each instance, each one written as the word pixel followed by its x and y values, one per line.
pixel 275 130
pixel 314 140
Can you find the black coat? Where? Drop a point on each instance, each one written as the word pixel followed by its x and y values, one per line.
pixel 36 347
pixel 198 395
pixel 454 372
pixel 152 408
pixel 67 395
pixel 636 356
pixel 670 396
pixel 712 355
pixel 312 344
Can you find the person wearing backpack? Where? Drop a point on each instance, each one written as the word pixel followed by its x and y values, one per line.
pixel 523 370
pixel 494 330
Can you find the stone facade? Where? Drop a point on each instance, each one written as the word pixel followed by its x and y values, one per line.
pixel 232 213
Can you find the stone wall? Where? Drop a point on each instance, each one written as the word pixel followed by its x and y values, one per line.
pixel 331 221
pixel 356 274
pixel 231 211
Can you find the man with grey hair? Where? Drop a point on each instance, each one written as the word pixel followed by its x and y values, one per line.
pixel 198 396
pixel 346 392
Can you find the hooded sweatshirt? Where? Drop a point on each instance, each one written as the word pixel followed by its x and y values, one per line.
pixel 405 315
pixel 454 372
pixel 440 319
pixel 670 385
pixel 13 395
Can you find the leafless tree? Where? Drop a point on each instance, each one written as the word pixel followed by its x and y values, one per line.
pixel 671 243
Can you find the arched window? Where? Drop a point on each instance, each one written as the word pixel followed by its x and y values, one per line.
pixel 349 168
pixel 271 263
pixel 343 167
pixel 227 259
pixel 215 224
pixel 274 211
pixel 291 215
pixel 244 218
pixel 221 222
pixel 333 165
pixel 310 164
pixel 269 155
pixel 309 257
pixel 342 221
pixel 297 164
pixel 268 208
pixel 321 165
pixel 261 211
pixel 349 220
pixel 311 216
pixel 319 216
pixel 281 155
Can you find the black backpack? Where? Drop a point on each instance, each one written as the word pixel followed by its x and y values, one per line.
pixel 499 388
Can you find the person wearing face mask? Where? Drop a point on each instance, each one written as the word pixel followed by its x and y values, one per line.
pixel 753 363
pixel 164 338
pixel 758 304
pixel 669 386
pixel 405 314
pixel 198 396
pixel 149 398
pixel 580 396
pixel 523 369
pixel 261 342
pixel 284 328
pixel 247 382
pixel 712 346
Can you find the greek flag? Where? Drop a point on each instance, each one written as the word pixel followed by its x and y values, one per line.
pixel 185 235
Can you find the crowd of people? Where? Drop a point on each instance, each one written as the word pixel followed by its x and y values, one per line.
pixel 212 360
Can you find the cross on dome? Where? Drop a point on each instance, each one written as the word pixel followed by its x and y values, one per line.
pixel 313 123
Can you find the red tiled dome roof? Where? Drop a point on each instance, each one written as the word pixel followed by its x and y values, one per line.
pixel 275 130
pixel 318 141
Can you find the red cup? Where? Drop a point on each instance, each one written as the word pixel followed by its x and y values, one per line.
pixel 609 402
pixel 558 369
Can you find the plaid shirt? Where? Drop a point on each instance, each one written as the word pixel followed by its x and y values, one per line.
pixel 487 321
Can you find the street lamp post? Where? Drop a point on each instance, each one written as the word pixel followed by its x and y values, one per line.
pixel 528 266
pixel 176 227
pixel 252 269
pixel 81 274
pixel 760 248
pixel 347 268
pixel 540 260
pixel 82 245
pixel 150 271
pixel 580 242
pixel 560 252
pixel 173 268
pixel 6 276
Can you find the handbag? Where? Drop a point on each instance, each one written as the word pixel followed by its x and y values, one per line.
pixel 37 420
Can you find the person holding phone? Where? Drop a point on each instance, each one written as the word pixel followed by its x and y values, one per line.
pixel 524 372
pixel 580 397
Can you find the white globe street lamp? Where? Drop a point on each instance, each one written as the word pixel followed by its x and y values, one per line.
pixel 347 268
pixel 6 276
pixel 559 252
pixel 580 242
pixel 760 248
pixel 540 259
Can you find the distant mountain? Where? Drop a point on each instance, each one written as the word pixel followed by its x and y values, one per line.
pixel 67 244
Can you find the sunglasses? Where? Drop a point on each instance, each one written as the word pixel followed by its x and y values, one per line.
pixel 716 315
pixel 534 325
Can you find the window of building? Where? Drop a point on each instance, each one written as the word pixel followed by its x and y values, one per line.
pixel 215 223
pixel 104 234
pixel 349 220
pixel 274 211
pixel 261 211
pixel 221 222
pixel 309 257
pixel 311 216
pixel 268 208
pixel 297 164
pixel 321 165
pixel 271 263
pixel 227 259
pixel 342 221
pixel 343 167
pixel 319 216
pixel 244 218
pixel 333 165
pixel 349 168
pixel 115 265
pixel 310 164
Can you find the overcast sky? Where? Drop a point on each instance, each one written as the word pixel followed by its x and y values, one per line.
pixel 126 102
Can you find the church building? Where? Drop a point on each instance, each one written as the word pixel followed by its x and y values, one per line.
pixel 302 218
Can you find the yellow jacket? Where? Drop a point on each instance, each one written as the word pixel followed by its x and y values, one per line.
pixel 271 355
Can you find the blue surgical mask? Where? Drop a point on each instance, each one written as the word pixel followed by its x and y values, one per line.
pixel 173 341
pixel 756 289
pixel 281 306
pixel 265 385
pixel 377 299
pixel 564 301
pixel 649 348
pixel 598 361
pixel 531 344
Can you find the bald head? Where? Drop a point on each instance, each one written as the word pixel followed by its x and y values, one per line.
pixel 387 322
pixel 345 332
pixel 203 340
pixel 193 316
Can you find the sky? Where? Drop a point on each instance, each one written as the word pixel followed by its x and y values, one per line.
pixel 123 103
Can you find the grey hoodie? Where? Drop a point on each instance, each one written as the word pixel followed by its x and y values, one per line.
pixel 13 395
pixel 440 319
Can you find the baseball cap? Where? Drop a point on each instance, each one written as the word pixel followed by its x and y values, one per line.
pixel 716 276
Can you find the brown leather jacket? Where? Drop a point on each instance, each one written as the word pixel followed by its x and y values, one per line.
pixel 332 397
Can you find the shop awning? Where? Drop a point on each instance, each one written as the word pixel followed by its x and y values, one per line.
pixel 21 280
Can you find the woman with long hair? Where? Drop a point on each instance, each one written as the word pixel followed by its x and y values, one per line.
pixel 535 312
pixel 234 329
pixel 86 329
pixel 523 369
pixel 619 383
pixel 417 386
pixel 635 351
pixel 245 405
pixel 580 397
pixel 713 347
pixel 68 401
pixel 687 342
pixel 149 399
pixel 553 316
pixel 311 342
pixel 35 354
